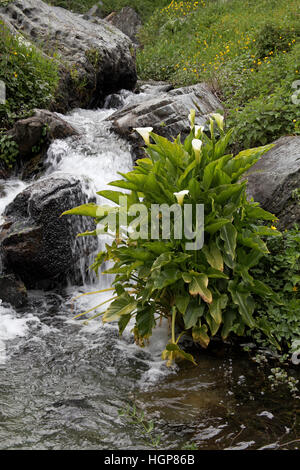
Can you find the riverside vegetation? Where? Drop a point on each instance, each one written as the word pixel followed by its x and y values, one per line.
pixel 249 54
pixel 207 292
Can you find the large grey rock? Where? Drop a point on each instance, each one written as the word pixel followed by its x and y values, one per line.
pixel 38 245
pixel 41 127
pixel 95 57
pixel 274 181
pixel 128 21
pixel 166 111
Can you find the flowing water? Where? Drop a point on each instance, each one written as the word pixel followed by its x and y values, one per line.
pixel 63 384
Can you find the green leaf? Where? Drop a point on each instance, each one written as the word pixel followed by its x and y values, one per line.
pixel 228 234
pixel 145 321
pixel 165 278
pixel 173 352
pixel 123 322
pixel 229 318
pixel 200 335
pixel 213 227
pixel 181 302
pixel 244 301
pixel 198 286
pixel 256 212
pixel 90 210
pixel 162 260
pixel 192 314
pixel 123 305
pixel 213 256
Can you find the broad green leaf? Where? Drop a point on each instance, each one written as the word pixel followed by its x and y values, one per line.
pixel 165 278
pixel 228 234
pixel 90 210
pixel 213 227
pixel 162 260
pixel 145 321
pixel 213 256
pixel 228 319
pixel 158 247
pixel 198 286
pixel 244 301
pixel 215 309
pixel 256 212
pixel 123 322
pixel 181 302
pixel 200 335
pixel 123 305
pixel 192 314
pixel 173 352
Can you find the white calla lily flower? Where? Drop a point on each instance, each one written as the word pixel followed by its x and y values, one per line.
pixel 180 196
pixel 197 145
pixel 219 120
pixel 198 131
pixel 144 132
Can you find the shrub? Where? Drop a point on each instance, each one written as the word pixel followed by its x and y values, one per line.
pixel 203 292
pixel 281 271
pixel 31 78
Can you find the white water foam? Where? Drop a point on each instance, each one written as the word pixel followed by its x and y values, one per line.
pixel 11 327
pixel 9 189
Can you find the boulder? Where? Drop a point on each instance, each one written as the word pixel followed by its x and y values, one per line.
pixel 274 181
pixel 166 111
pixel 38 245
pixel 128 21
pixel 95 58
pixel 42 127
pixel 12 290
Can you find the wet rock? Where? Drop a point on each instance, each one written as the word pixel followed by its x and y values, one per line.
pixel 166 111
pixel 38 245
pixel 274 181
pixel 41 128
pixel 12 290
pixel 95 58
pixel 128 21
pixel 4 171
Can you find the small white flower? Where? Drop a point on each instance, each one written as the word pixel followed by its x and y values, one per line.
pixel 198 131
pixel 192 116
pixel 219 120
pixel 180 196
pixel 144 132
pixel 197 145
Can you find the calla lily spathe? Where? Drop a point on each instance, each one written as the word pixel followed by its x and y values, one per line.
pixel 144 132
pixel 197 145
pixel 180 196
pixel 198 131
pixel 219 120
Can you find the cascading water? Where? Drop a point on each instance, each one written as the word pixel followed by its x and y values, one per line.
pixel 62 384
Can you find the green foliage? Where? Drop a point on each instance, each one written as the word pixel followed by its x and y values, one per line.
pixel 144 7
pixel 9 149
pixel 31 78
pixel 281 271
pixel 202 292
pixel 250 62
